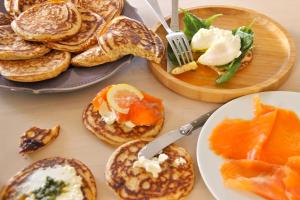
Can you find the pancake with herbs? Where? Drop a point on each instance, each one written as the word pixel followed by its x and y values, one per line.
pixel 69 178
pixel 120 37
pixel 48 22
pixel 46 67
pixel 86 37
pixel 174 181
pixel 5 19
pixel 116 134
pixel 12 47
pixel 108 9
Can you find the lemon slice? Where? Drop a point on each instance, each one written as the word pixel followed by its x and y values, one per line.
pixel 121 96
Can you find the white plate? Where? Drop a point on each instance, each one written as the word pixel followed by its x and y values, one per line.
pixel 209 163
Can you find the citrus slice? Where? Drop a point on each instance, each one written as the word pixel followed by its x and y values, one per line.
pixel 121 96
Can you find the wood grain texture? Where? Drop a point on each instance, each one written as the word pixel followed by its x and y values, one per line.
pixel 274 57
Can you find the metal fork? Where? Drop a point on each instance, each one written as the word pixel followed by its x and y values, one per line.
pixel 177 40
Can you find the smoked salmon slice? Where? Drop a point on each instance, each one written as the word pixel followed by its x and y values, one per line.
pixel 273 182
pixel 273 135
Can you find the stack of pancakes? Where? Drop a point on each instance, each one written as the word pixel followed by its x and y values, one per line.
pixel 38 38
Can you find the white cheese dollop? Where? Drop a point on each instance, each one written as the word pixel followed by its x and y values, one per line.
pixel 108 116
pixel 60 173
pixel 221 46
pixel 180 161
pixel 153 165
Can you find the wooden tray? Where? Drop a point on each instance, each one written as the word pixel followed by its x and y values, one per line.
pixel 274 56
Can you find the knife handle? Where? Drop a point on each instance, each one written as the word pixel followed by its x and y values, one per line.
pixel 197 123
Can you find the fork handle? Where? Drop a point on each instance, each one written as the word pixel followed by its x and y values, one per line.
pixel 156 9
pixel 174 20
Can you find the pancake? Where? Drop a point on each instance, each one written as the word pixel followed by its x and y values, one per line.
pixel 36 138
pixel 116 134
pixel 120 37
pixel 7 6
pixel 86 37
pixel 92 57
pixel 128 183
pixel 5 19
pixel 37 69
pixel 12 47
pixel 19 6
pixel 88 185
pixel 48 22
pixel 108 9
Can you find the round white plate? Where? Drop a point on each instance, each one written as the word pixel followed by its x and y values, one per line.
pixel 209 163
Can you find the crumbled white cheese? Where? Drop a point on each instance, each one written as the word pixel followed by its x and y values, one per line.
pixel 65 173
pixel 180 161
pixel 153 165
pixel 129 124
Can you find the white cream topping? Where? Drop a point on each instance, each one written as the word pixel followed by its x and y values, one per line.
pixel 65 173
pixel 152 165
pixel 221 46
pixel 109 117
pixel 180 161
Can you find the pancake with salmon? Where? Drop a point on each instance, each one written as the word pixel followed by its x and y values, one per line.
pixel 86 37
pixel 108 9
pixel 121 113
pixel 5 19
pixel 120 37
pixel 50 179
pixel 48 22
pixel 12 47
pixel 46 67
pixel 129 180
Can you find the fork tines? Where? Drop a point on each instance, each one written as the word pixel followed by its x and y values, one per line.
pixel 181 48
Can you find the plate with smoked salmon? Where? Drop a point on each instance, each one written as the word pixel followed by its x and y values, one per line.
pixel 250 148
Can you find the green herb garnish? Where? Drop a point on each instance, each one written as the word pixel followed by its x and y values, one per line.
pixel 50 190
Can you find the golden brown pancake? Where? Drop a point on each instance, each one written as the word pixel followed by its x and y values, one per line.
pixel 36 138
pixel 120 37
pixel 12 47
pixel 108 9
pixel 48 22
pixel 9 191
pixel 19 6
pixel 92 57
pixel 86 37
pixel 5 19
pixel 116 134
pixel 46 67
pixel 128 183
pixel 7 6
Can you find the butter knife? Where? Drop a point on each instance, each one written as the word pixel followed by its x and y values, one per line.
pixel 158 144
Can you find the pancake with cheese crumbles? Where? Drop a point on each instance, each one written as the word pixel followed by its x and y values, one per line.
pixel 12 47
pixel 108 9
pixel 129 182
pixel 38 69
pixel 69 178
pixel 48 22
pixel 86 37
pixel 5 19
pixel 142 117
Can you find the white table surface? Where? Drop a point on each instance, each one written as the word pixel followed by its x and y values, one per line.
pixel 18 111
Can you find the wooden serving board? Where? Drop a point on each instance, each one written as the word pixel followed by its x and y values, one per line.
pixel 274 57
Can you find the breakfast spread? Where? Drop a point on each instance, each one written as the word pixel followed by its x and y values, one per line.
pixel 224 51
pixel 36 138
pixel 52 178
pixel 264 151
pixel 122 36
pixel 120 113
pixel 127 177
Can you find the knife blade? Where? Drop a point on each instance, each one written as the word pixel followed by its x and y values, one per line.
pixel 158 144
